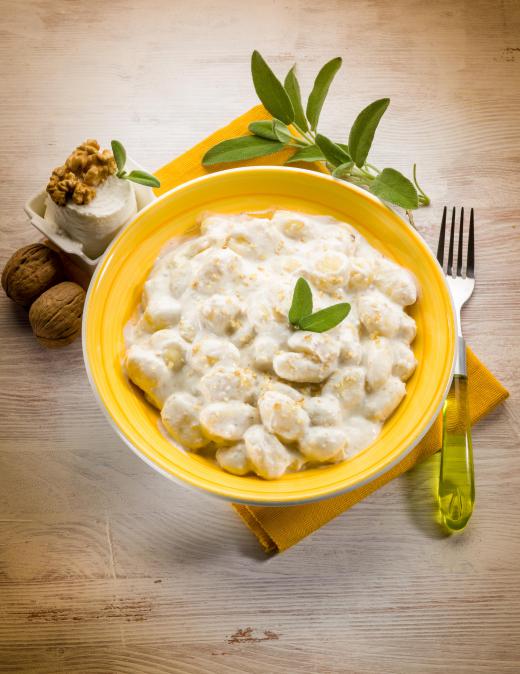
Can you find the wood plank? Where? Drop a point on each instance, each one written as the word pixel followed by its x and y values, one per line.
pixel 105 566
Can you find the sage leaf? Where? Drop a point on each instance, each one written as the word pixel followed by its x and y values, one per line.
pixel 363 130
pixel 282 132
pixel 333 153
pixel 342 169
pixel 301 302
pixel 326 318
pixel 270 90
pixel 394 187
pixel 309 153
pixel 143 178
pixel 239 149
pixel 320 90
pixel 264 129
pixel 119 153
pixel 292 87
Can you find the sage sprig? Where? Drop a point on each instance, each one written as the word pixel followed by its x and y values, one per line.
pixel 295 129
pixel 136 176
pixel 325 319
pixel 301 316
pixel 301 302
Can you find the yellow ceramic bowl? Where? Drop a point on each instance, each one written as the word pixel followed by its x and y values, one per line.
pixel 116 289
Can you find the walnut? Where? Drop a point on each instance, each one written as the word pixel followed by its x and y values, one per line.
pixel 93 176
pixel 82 194
pixel 86 168
pixel 31 271
pixel 91 146
pixel 55 316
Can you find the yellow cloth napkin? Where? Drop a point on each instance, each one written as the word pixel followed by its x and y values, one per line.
pixel 278 528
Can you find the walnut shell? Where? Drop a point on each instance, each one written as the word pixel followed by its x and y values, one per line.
pixel 55 316
pixel 30 272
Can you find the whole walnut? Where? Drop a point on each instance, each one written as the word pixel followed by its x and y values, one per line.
pixel 31 271
pixel 55 316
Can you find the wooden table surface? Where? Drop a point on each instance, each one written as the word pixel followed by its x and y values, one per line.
pixel 105 566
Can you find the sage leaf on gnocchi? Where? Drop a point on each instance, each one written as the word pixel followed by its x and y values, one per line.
pixel 325 319
pixel 301 316
pixel 301 302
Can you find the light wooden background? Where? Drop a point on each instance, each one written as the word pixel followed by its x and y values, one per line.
pixel 107 567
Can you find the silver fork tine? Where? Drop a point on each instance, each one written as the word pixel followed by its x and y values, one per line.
pixel 440 246
pixel 470 264
pixel 449 270
pixel 461 236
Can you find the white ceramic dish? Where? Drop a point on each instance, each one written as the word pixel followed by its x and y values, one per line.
pixel 35 209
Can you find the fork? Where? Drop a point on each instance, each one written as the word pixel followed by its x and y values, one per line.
pixel 456 493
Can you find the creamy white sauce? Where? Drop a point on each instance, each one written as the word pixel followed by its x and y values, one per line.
pixel 95 224
pixel 212 347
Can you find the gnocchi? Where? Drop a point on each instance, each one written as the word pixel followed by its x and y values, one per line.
pixel 268 456
pixel 227 422
pixel 282 416
pixel 213 350
pixel 322 443
pixel 180 416
pixel 233 459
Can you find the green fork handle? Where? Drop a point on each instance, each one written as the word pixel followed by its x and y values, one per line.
pixel 457 479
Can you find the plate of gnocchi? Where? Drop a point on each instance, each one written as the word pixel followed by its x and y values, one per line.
pixel 269 335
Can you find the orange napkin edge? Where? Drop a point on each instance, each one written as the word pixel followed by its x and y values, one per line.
pixel 278 528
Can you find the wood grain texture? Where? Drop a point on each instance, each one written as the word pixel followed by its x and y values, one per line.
pixel 107 567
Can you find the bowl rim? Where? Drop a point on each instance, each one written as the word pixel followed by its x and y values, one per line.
pixel 199 489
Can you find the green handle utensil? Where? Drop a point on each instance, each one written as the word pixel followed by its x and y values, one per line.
pixel 457 480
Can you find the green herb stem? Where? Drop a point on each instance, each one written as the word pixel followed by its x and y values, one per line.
pixel 362 174
pixel 308 136
pixel 372 168
pixel 424 199
pixel 297 142
pixel 361 182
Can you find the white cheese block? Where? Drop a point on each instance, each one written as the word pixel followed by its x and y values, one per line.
pixel 95 224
